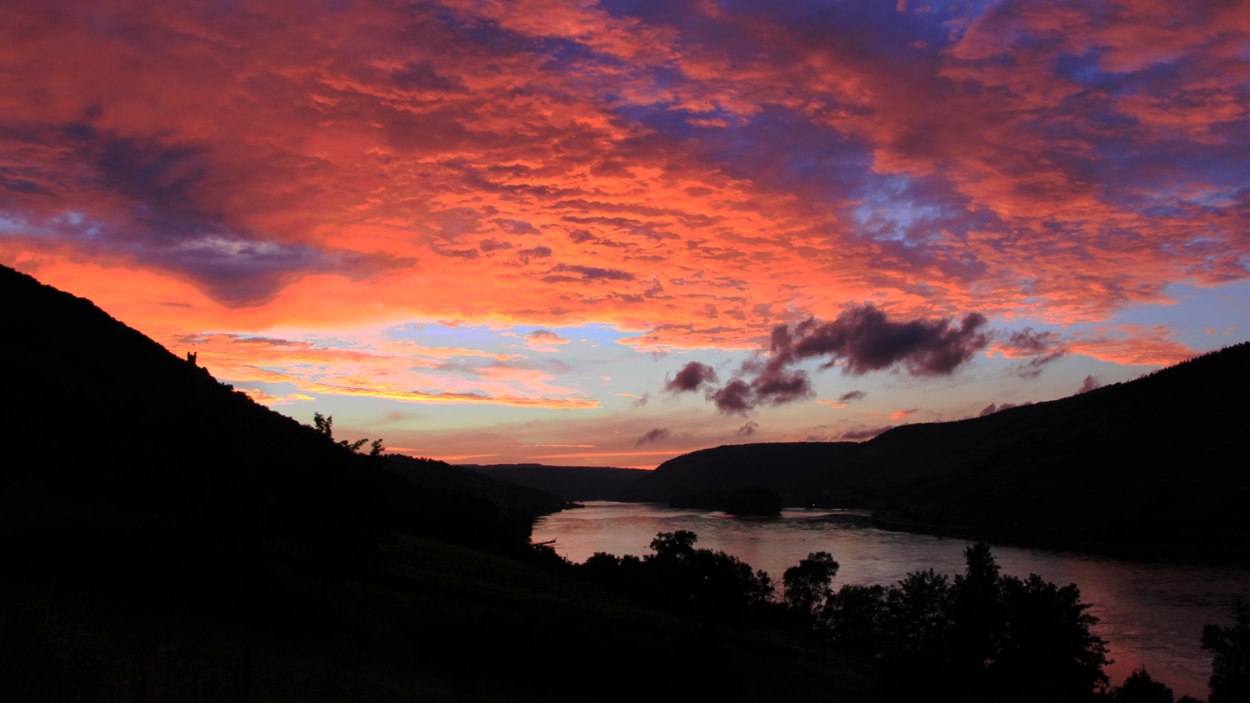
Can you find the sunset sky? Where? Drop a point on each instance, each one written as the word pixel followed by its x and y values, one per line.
pixel 608 233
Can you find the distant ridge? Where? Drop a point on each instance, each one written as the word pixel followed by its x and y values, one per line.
pixel 1160 460
pixel 568 482
pixel 787 467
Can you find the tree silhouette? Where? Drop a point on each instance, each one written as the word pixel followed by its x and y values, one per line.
pixel 674 545
pixel 324 425
pixel 710 584
pixel 977 609
pixel 1047 644
pixel 982 636
pixel 1140 688
pixel 852 617
pixel 1230 668
pixel 807 585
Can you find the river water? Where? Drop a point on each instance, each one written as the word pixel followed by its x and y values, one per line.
pixel 1150 613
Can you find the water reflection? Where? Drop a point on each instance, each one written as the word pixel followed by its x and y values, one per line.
pixel 1150 613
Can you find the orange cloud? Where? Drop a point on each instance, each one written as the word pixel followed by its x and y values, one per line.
pixel 417 396
pixel 544 341
pixel 606 454
pixel 1134 345
pixel 690 174
pixel 384 370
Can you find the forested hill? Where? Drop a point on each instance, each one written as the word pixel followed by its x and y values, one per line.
pixel 1157 460
pixel 786 467
pixel 96 413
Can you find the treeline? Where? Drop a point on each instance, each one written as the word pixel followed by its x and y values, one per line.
pixel 977 636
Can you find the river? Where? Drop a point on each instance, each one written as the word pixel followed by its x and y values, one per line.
pixel 1150 613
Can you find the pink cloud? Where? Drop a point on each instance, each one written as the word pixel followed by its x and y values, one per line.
pixel 691 177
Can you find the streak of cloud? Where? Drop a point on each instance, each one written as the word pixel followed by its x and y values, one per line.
pixel 544 341
pixel 659 434
pixel 1038 348
pixel 844 399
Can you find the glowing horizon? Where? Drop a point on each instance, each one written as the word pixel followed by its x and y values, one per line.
pixel 475 229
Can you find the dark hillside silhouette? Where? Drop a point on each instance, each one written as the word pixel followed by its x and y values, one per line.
pixel 96 412
pixel 1159 461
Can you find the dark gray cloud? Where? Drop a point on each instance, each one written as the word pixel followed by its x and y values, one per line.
pixel 734 398
pixel 641 400
pixel 539 252
pixel 518 226
pixel 851 395
pixel 1031 341
pixel 750 428
pixel 489 245
pixel 1033 367
pixel 1043 347
pixel 581 236
pixel 565 273
pixel 173 219
pixel 1090 383
pixel 453 253
pixel 691 377
pixel 993 408
pixel 780 387
pixel 656 435
pixel 862 339
pixel 422 76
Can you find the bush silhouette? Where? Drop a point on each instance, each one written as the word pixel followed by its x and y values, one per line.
pixel 1140 688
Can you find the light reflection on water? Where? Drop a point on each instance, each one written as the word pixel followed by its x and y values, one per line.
pixel 1150 613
